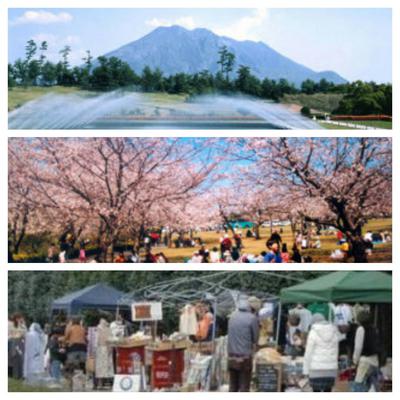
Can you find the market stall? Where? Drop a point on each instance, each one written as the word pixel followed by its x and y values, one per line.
pixel 95 297
pixel 372 289
pixel 182 360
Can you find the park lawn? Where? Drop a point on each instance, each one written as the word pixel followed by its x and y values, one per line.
pixel 381 253
pixel 18 96
pixel 15 385
pixel 161 98
pixel 375 124
pixel 337 127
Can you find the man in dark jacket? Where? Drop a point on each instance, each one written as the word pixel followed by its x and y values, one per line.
pixel 243 332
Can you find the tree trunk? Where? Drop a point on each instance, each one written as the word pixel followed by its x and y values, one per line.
pixel 109 253
pixel 170 233
pixel 293 228
pixel 257 231
pixel 359 250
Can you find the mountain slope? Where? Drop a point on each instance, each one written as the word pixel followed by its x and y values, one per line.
pixel 175 49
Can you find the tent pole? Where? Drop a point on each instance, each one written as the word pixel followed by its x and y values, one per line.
pixel 278 323
pixel 213 339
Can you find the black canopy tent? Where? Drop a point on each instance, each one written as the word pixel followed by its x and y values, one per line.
pixel 96 297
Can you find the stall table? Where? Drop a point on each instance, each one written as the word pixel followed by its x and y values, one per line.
pixel 168 364
pixel 127 353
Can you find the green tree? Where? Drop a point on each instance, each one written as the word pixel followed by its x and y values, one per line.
pixel 11 76
pixel 30 50
pixel 226 61
pixel 308 87
pixel 49 74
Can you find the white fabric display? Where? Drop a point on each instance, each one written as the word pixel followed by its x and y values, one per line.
pixel 34 352
pixel 117 330
pixel 305 318
pixel 188 321
pixel 343 317
pixel 104 367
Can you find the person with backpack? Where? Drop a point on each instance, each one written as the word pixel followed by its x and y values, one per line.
pixel 367 351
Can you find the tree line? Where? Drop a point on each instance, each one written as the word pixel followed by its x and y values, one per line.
pixel 110 73
pixel 32 292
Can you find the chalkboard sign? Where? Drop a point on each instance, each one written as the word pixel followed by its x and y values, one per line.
pixel 269 377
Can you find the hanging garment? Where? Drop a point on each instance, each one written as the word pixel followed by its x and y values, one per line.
pixel 104 367
pixel 188 321
pixel 34 352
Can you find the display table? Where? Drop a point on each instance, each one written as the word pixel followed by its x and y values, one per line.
pixel 202 347
pixel 168 363
pixel 128 353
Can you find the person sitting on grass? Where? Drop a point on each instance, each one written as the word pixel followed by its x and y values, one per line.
pixel 296 255
pixel 149 257
pixel 274 255
pixel 285 254
pixel 214 255
pixel 120 258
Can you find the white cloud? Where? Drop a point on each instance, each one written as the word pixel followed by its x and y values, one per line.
pixel 41 17
pixel 187 22
pixel 56 41
pixel 246 28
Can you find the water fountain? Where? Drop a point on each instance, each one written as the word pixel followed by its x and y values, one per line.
pixel 131 110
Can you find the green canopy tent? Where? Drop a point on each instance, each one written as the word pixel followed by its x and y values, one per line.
pixel 342 286
pixel 371 287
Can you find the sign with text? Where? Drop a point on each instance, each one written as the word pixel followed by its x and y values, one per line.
pixel 147 311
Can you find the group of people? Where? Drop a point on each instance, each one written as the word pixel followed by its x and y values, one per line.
pixel 58 352
pixel 231 250
pixel 369 240
pixel 320 333
pixel 63 349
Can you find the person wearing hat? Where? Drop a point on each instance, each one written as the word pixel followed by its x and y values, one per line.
pixel 243 333
pixel 321 355
pixel 255 304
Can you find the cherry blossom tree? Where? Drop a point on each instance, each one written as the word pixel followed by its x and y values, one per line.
pixel 341 182
pixel 113 189
pixel 110 181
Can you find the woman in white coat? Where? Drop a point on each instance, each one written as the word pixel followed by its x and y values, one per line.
pixel 321 355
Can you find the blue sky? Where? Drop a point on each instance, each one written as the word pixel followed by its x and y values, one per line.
pixel 356 43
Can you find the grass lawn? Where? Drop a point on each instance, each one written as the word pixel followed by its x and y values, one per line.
pixel 15 385
pixel 163 98
pixel 375 124
pixel 337 127
pixel 18 96
pixel 381 253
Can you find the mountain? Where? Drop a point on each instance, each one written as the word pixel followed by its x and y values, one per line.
pixel 175 49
